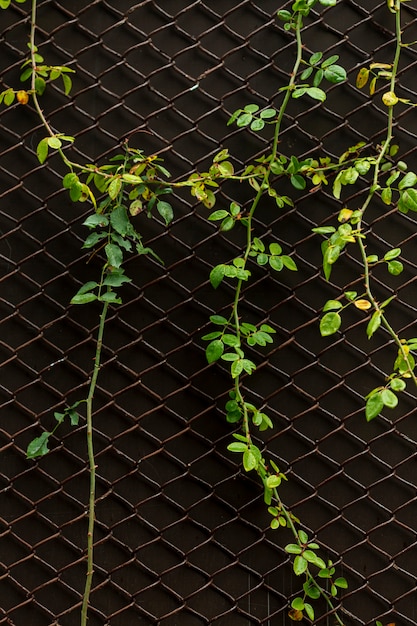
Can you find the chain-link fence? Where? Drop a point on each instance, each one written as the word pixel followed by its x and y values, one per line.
pixel 182 536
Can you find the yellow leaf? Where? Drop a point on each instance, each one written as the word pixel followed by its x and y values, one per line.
pixel 22 97
pixel 362 78
pixel 345 215
pixel 363 305
pixel 389 99
pixel 295 615
pixel 381 66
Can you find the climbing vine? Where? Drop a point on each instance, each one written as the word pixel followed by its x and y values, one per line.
pixel 132 184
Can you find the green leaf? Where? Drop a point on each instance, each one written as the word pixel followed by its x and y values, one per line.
pixel 114 255
pixel 298 604
pixel 409 180
pixel 218 215
pixel 289 263
pixel 374 406
pixel 39 446
pixel 110 296
pixel 298 182
pixel 330 324
pixel 395 267
pixel 40 85
pixel 392 254
pixel 300 565
pixel 257 125
pixel 397 384
pixel 114 187
pixel 67 82
pixel 373 324
pixel 59 417
pixel 350 295
pixel 267 114
pixel 262 259
pixel 210 336
pixel 307 607
pixel 293 548
pixel 273 481
pixel 91 284
pixel 318 77
pixel 237 446
pixel 230 340
pixel 316 93
pixel 92 239
pixel 116 279
pixel 54 142
pixel 315 58
pixel 307 73
pixel 218 319
pixel 8 96
pixel 332 253
pixel 76 191
pixel 341 583
pixel 244 120
pixel 165 211
pixel 217 275
pixel 335 74
pixel 74 417
pixel 312 558
pixel 408 201
pixel 95 220
pixel 276 263
pixel 389 398
pixel 83 298
pixel 302 535
pixel 42 150
pixel 332 305
pixel 275 249
pixel 120 221
pixel 247 365
pixel 284 16
pixel 330 61
pixel 69 180
pixel 236 367
pixel 214 350
pixel 250 462
pixel 323 230
pixel 311 590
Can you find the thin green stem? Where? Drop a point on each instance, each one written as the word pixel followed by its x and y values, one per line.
pixel 264 185
pixel 375 184
pixel 235 316
pixel 92 467
pixel 32 46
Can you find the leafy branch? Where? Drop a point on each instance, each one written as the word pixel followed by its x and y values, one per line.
pixel 233 335
pixel 393 185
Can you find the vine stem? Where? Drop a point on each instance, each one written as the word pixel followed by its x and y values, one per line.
pixel 375 184
pixel 92 466
pixel 237 298
pixel 255 203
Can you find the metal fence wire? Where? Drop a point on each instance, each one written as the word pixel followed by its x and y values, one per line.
pixel 182 535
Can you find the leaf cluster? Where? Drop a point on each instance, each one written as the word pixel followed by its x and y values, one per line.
pixel 41 73
pixel 305 553
pixel 200 183
pixel 4 4
pixel 39 446
pixel 300 8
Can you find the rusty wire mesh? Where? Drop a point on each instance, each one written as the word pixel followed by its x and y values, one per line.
pixel 182 536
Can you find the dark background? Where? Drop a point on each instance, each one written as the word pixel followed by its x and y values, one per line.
pixel 182 534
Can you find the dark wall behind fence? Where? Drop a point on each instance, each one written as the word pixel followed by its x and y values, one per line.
pixel 183 537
